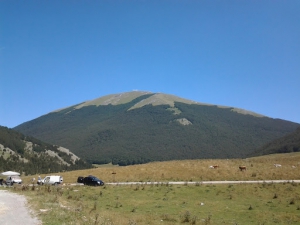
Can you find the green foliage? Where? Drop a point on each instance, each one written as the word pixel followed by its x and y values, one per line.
pixel 113 133
pixel 35 161
pixel 286 144
pixel 12 139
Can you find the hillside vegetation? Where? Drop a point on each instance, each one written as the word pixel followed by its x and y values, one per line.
pixel 288 143
pixel 133 128
pixel 29 155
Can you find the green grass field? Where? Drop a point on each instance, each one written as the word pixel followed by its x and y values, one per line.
pixel 174 204
pixel 167 204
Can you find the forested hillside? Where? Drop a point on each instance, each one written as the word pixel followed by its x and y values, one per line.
pixel 29 155
pixel 286 144
pixel 115 130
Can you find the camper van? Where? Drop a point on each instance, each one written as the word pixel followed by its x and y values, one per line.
pixel 51 180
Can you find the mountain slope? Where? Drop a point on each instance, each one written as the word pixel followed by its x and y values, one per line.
pixel 285 144
pixel 31 156
pixel 137 127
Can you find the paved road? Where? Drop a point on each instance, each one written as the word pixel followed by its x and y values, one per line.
pixel 200 182
pixel 13 210
pixel 208 182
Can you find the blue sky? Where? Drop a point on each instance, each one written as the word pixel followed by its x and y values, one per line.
pixel 238 53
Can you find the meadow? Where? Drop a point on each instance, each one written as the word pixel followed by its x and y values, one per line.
pixel 164 203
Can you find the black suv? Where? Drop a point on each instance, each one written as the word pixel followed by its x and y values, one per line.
pixel 91 180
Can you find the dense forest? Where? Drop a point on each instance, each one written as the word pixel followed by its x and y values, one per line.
pixel 286 144
pixel 124 136
pixel 15 155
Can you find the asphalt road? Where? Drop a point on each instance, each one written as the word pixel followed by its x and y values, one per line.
pixel 207 182
pixel 199 182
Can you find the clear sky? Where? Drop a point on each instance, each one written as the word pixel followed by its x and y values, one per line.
pixel 239 53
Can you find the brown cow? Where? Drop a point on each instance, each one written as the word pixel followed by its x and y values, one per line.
pixel 214 167
pixel 242 168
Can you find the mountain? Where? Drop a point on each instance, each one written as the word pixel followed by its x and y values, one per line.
pixel 285 144
pixel 31 156
pixel 138 127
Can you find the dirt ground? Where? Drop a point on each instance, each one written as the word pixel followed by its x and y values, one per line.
pixel 13 210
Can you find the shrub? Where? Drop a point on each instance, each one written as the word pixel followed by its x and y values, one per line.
pixel 186 217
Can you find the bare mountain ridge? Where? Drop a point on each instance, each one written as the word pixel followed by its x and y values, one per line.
pixel 138 127
pixel 154 100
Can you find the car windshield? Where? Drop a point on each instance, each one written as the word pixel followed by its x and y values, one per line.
pixel 94 178
pixel 15 177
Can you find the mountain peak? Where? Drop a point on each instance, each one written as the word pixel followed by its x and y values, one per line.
pixel 114 99
pixel 125 97
pixel 154 99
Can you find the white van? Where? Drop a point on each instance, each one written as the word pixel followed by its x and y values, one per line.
pixel 10 180
pixel 54 180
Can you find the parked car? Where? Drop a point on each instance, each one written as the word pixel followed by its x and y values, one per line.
pixel 92 180
pixel 80 179
pixel 53 180
pixel 10 180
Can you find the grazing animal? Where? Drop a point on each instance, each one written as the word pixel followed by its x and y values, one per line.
pixel 277 165
pixel 214 167
pixel 242 168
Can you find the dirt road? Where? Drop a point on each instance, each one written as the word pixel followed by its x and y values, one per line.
pixel 13 210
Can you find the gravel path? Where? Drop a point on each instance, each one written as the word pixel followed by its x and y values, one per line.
pixel 13 210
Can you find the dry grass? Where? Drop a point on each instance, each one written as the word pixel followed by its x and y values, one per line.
pixel 174 204
pixel 258 168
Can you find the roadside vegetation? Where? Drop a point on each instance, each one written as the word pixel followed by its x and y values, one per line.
pixel 164 203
